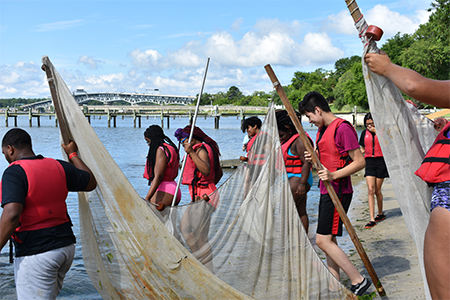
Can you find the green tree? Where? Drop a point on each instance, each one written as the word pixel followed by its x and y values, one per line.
pixel 234 94
pixel 344 64
pixel 396 45
pixel 351 89
pixel 430 53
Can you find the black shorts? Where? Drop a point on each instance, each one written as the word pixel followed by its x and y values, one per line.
pixel 376 167
pixel 329 221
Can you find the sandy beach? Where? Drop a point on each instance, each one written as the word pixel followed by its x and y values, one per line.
pixel 388 245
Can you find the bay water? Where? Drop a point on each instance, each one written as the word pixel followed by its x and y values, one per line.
pixel 128 148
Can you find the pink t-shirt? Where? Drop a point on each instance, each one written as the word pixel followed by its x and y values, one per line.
pixel 346 139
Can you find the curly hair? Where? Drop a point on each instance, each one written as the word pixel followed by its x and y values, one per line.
pixel 284 121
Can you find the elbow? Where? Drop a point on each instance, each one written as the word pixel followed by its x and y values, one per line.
pixel 410 88
pixel 92 184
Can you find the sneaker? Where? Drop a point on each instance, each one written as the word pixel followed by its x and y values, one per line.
pixel 361 287
pixel 371 224
pixel 380 218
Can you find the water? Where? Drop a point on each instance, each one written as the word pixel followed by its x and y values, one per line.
pixel 127 146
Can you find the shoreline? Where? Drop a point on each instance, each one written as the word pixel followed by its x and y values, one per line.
pixel 388 245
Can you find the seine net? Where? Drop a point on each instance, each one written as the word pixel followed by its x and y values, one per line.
pixel 247 241
pixel 405 136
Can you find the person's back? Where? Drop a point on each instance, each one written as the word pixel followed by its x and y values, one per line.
pixel 33 194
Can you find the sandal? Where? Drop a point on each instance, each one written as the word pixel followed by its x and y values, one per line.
pixel 371 224
pixel 380 218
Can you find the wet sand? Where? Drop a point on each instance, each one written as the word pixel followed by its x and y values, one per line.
pixel 388 245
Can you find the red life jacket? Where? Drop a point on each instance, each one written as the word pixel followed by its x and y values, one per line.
pixel 172 164
pixel 191 175
pixel 293 163
pixel 329 155
pixel 45 203
pixel 371 145
pixel 258 156
pixel 435 167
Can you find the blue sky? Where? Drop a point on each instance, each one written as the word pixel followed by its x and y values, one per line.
pixel 132 46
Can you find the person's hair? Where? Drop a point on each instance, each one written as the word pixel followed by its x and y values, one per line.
pixel 198 134
pixel 17 138
pixel 368 116
pixel 311 100
pixel 251 121
pixel 157 137
pixel 284 121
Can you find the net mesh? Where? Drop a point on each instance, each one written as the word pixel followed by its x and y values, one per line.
pixel 247 241
pixel 405 136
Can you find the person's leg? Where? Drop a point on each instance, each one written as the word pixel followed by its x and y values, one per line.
pixel 300 201
pixel 371 188
pixel 379 195
pixel 436 253
pixel 41 275
pixel 336 258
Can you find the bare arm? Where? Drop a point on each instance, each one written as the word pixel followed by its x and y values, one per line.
pixel 9 221
pixel 159 170
pixel 434 92
pixel 200 158
pixel 299 149
pixel 71 147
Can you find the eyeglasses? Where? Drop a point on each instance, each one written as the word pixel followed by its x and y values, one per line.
pixel 370 124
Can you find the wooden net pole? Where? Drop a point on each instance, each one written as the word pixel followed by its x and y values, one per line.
pixel 331 191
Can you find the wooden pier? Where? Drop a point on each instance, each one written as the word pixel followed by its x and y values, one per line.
pixel 138 112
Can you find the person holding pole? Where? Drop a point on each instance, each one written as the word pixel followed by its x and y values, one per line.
pixel 339 153
pixel 435 169
pixel 33 196
pixel 201 173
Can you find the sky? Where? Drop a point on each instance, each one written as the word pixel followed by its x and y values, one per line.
pixel 140 46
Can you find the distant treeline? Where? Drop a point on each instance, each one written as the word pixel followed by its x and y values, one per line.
pixel 17 102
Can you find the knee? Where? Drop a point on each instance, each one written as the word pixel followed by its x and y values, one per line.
pixel 371 190
pixel 321 243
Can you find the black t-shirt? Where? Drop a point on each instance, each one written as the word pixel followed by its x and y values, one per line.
pixel 14 189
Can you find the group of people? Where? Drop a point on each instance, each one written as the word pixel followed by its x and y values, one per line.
pixel 34 188
pixel 341 154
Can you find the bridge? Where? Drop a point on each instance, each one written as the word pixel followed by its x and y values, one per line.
pixel 133 98
pixel 82 97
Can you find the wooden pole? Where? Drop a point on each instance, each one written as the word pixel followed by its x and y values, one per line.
pixel 354 10
pixel 331 191
pixel 56 102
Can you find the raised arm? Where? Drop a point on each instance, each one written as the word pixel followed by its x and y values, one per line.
pixel 434 92
pixel 70 148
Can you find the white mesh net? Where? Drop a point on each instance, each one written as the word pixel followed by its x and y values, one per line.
pixel 247 241
pixel 405 136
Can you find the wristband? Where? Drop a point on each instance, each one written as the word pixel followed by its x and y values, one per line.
pixel 301 184
pixel 72 155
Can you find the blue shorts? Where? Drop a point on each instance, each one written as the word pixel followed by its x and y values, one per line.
pixel 441 195
pixel 310 178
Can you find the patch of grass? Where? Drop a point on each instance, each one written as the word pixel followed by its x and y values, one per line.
pixel 368 296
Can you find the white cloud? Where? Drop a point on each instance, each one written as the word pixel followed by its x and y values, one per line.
pixel 392 22
pixel 145 59
pixel 62 25
pixel 236 26
pixel 381 16
pixel 89 62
